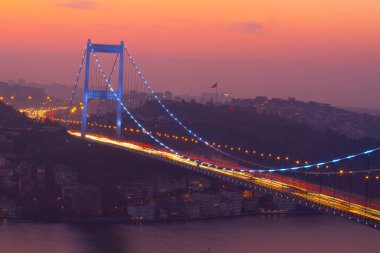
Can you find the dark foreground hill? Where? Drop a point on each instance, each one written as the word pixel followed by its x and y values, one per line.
pixel 10 118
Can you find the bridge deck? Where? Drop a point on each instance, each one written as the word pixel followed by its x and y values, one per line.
pixel 308 197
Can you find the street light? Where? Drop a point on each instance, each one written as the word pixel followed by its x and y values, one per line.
pixel 366 193
pixel 73 110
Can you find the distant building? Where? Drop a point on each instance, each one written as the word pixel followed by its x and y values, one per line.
pixel 6 178
pixel 87 201
pixel 5 143
pixel 141 212
pixel 209 204
pixel 4 90
pixel 199 183
pixel 168 95
pixel 64 174
pixel 8 208
pixel 21 95
pixel 235 202
pixel 284 205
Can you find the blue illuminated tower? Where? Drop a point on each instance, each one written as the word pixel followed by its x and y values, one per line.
pixel 103 94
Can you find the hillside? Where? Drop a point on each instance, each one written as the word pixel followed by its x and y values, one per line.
pixel 10 118
pixel 247 128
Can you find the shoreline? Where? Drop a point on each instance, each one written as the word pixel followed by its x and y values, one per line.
pixel 126 220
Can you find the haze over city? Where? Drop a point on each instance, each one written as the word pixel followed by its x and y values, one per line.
pixel 326 51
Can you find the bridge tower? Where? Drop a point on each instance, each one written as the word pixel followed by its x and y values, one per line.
pixel 103 94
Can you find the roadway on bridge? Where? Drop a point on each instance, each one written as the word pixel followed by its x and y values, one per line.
pixel 298 192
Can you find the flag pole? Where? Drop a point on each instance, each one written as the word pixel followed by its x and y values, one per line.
pixel 216 91
pixel 216 94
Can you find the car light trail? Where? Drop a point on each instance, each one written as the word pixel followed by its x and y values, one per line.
pixel 298 192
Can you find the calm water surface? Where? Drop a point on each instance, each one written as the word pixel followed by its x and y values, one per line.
pixel 261 234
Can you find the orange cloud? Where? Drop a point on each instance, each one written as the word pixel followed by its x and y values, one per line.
pixel 247 27
pixel 76 4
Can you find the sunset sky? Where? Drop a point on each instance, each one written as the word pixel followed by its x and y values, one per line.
pixel 321 50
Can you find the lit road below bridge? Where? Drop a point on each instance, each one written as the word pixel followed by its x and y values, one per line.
pixel 259 181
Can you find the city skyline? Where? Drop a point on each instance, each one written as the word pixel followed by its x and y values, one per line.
pixel 319 51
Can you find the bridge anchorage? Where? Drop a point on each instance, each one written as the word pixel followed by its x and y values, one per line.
pixel 292 183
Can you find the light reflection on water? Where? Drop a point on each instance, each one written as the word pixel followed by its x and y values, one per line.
pixel 260 234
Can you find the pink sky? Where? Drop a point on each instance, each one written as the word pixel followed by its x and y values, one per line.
pixel 322 50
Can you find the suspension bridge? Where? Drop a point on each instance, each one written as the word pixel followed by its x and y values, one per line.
pixel 125 96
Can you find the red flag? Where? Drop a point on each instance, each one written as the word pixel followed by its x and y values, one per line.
pixel 214 86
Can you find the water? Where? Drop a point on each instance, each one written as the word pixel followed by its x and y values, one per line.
pixel 259 234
